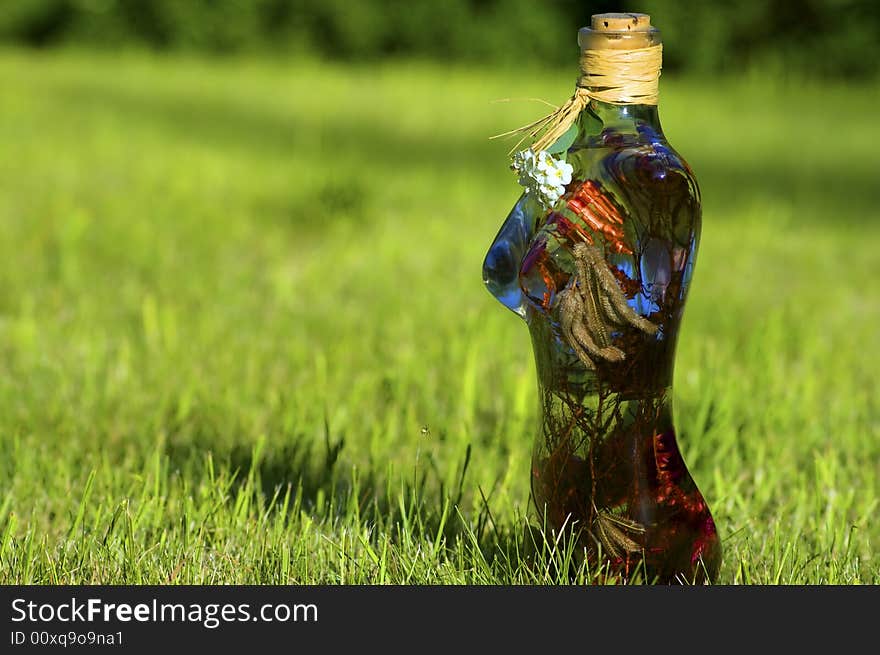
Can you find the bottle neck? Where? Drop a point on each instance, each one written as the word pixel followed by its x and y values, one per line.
pixel 600 119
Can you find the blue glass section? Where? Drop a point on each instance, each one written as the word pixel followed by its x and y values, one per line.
pixel 502 263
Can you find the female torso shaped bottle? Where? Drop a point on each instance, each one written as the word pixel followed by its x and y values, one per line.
pixel 601 279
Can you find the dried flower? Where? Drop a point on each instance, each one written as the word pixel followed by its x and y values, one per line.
pixel 542 175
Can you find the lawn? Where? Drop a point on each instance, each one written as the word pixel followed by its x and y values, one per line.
pixel 244 336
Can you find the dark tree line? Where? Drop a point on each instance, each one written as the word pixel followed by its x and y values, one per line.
pixel 816 37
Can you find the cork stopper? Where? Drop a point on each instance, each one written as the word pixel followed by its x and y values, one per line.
pixel 616 31
pixel 620 22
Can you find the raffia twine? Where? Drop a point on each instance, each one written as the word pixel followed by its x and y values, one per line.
pixel 621 77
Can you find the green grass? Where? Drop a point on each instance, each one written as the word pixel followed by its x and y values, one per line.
pixel 244 338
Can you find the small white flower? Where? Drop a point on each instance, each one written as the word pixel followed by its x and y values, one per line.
pixel 545 163
pixel 542 175
pixel 565 171
pixel 550 194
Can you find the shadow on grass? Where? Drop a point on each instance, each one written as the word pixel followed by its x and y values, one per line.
pixel 417 508
pixel 258 127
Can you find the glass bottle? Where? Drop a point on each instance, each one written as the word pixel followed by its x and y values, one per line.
pixel 601 279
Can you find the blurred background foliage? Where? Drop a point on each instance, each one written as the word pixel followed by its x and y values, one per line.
pixel 822 37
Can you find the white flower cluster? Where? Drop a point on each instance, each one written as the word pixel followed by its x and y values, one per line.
pixel 542 175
